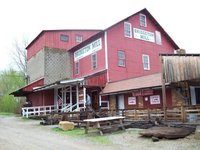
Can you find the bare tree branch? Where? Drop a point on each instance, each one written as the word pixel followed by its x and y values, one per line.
pixel 19 55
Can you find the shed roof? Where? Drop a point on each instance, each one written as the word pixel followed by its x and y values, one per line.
pixel 149 81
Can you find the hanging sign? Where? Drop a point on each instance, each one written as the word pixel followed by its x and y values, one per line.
pixel 155 99
pixel 88 49
pixel 144 35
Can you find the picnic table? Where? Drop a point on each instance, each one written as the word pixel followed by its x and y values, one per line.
pixel 105 123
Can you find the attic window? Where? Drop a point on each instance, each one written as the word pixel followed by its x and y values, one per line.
pixel 79 38
pixel 64 38
pixel 143 20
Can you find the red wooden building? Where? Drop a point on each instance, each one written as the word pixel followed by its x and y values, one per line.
pixel 120 56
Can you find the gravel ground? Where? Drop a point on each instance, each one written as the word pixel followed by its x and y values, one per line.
pixel 17 134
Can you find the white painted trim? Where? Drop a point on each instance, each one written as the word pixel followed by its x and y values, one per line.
pixel 106 53
pixel 77 95
pixel 70 98
pixel 84 96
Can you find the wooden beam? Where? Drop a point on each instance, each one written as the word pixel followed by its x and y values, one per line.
pixel 163 87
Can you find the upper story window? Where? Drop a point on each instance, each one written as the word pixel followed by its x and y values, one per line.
pixel 77 67
pixel 94 60
pixel 64 38
pixel 79 38
pixel 127 29
pixel 158 38
pixel 146 62
pixel 143 21
pixel 121 58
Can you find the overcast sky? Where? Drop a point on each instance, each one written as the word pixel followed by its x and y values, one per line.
pixel 27 18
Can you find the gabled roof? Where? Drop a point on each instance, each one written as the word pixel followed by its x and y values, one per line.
pixel 44 31
pixel 145 11
pixel 149 81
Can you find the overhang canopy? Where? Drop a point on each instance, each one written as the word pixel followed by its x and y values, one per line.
pixel 143 82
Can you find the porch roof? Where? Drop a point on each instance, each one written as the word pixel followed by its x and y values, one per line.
pixel 149 81
pixel 59 84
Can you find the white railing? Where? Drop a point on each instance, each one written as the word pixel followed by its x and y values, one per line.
pixel 40 110
pixel 66 108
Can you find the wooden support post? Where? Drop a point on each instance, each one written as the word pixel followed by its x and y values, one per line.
pixel 149 117
pixel 183 114
pixel 163 88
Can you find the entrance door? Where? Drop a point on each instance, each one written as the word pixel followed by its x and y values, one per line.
pixel 195 95
pixel 120 102
pixel 95 100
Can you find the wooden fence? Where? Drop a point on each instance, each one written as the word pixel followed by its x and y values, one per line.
pixel 174 114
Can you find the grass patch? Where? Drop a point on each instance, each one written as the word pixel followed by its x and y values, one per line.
pixel 7 114
pixel 92 137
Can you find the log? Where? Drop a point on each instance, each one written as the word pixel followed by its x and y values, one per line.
pixel 165 132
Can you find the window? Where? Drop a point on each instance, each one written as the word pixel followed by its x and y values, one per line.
pixel 143 20
pixel 158 38
pixel 127 30
pixel 146 63
pixel 64 38
pixel 121 58
pixel 94 61
pixel 77 67
pixel 79 38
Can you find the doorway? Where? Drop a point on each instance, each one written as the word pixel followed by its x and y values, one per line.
pixel 95 100
pixel 120 102
pixel 195 95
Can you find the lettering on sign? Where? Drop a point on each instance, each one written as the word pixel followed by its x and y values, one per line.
pixel 88 49
pixel 144 35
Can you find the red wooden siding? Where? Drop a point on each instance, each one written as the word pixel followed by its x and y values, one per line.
pixel 42 98
pixel 98 80
pixel 146 103
pixel 134 49
pixel 85 64
pixel 35 84
pixel 51 39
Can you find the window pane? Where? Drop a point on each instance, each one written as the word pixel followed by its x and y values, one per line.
pixel 77 67
pixel 143 20
pixel 78 38
pixel 127 30
pixel 146 63
pixel 64 38
pixel 94 61
pixel 158 38
pixel 121 58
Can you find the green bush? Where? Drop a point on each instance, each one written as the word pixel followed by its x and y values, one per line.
pixel 8 104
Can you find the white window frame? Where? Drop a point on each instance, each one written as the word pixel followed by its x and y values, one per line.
pixel 145 20
pixel 144 63
pixel 94 63
pixel 76 67
pixel 127 30
pixel 79 38
pixel 121 59
pixel 158 38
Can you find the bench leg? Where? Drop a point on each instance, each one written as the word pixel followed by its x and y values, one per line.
pixel 87 127
pixel 99 128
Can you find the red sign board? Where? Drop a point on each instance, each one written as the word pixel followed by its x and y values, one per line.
pixel 142 92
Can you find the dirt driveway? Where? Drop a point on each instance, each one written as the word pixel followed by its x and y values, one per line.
pixel 17 134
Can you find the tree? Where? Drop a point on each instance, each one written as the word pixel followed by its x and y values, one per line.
pixel 19 55
pixel 10 80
